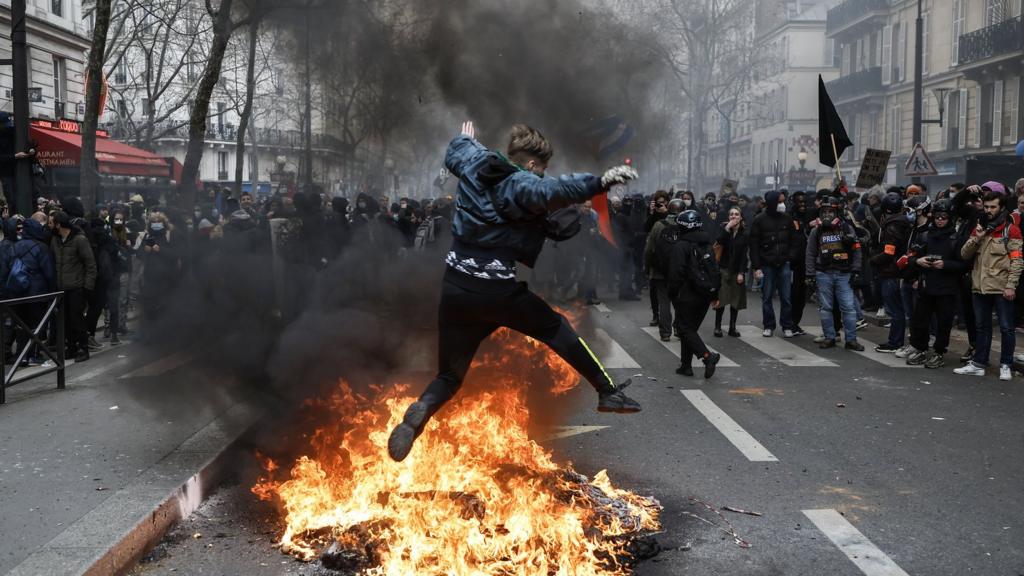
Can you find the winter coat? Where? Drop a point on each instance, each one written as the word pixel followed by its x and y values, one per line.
pixel 735 248
pixel 654 271
pixel 74 262
pixel 773 239
pixel 893 241
pixel 940 242
pixel 997 259
pixel 35 254
pixel 682 267
pixel 501 209
pixel 10 227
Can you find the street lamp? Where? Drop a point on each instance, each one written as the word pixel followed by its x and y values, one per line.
pixel 940 95
pixel 802 157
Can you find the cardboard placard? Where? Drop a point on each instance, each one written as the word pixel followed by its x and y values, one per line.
pixel 872 169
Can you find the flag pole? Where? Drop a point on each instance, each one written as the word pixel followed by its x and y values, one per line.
pixel 835 154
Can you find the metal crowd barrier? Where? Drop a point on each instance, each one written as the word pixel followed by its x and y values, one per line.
pixel 10 308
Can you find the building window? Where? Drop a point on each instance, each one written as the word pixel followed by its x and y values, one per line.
pixel 122 108
pixel 57 7
pixel 997 113
pixel 1015 106
pixel 222 165
pixel 60 86
pixel 901 55
pixel 121 71
pixel 895 126
pixel 995 12
pixel 959 22
pixel 147 106
pixel 887 35
pixel 961 132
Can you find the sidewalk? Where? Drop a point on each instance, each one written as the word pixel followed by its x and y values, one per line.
pixel 88 474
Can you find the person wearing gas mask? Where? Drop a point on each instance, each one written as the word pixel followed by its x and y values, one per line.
pixel 772 241
pixel 694 280
pixel 833 256
pixel 918 210
pixel 505 209
pixel 996 246
pixel 893 242
pixel 939 267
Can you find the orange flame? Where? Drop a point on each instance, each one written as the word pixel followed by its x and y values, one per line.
pixel 475 496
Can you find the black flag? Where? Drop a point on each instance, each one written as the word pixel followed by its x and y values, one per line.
pixel 829 126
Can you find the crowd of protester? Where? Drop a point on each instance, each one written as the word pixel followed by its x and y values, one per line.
pixel 922 263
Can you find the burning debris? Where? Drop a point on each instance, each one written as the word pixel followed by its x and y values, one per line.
pixel 475 496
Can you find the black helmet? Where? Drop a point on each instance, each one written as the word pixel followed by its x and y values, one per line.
pixel 892 203
pixel 944 206
pixel 919 204
pixel 675 206
pixel 689 219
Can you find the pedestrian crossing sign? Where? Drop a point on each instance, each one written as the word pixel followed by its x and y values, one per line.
pixel 919 164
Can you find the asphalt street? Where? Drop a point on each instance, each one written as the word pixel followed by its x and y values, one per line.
pixel 858 466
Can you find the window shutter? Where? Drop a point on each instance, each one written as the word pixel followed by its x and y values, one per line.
pixel 955 44
pixel 902 56
pixel 961 137
pixel 887 55
pixel 997 113
pixel 1015 111
pixel 926 25
pixel 977 117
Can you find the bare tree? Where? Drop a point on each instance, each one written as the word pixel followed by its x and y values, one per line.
pixel 89 178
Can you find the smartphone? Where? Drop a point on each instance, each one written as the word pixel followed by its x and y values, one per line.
pixel 150 241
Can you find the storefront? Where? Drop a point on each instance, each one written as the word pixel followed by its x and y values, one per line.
pixel 124 170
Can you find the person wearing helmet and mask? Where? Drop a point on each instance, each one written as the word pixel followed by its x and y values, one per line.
pixel 656 271
pixel 892 241
pixel 918 211
pixel 772 241
pixel 939 268
pixel 833 256
pixel 693 282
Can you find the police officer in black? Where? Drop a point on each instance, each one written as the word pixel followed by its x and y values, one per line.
pixel 505 208
pixel 693 282
pixel 833 256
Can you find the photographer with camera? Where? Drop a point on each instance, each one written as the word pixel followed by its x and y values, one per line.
pixel 996 248
pixel 939 267
pixel 833 255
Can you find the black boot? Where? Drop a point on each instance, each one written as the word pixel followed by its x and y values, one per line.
pixel 685 370
pixel 710 362
pixel 403 436
pixel 616 401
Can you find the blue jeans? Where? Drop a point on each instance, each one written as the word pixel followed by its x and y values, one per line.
pixel 776 277
pixel 892 299
pixel 983 304
pixel 835 286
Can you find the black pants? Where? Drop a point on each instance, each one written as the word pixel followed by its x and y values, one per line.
pixel 74 322
pixel 798 293
pixel 467 316
pixel 626 271
pixel 942 309
pixel 690 315
pixel 662 305
pixel 97 300
pixel 967 309
pixel 30 314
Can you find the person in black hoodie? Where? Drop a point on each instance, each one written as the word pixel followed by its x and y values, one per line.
pixel 893 239
pixel 693 284
pixel 801 219
pixel 772 241
pixel 940 269
pixel 966 207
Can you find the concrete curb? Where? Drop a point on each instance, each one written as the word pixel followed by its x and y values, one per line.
pixel 112 538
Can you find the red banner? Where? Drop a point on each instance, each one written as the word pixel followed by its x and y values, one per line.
pixel 604 219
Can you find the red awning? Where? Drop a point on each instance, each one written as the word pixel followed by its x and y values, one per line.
pixel 58 148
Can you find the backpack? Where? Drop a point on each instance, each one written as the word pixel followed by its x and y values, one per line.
pixel 705 278
pixel 663 248
pixel 18 280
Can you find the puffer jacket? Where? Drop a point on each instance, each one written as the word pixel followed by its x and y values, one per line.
pixel 74 261
pixel 940 242
pixel 34 253
pixel 997 259
pixel 513 229
pixel 773 237
pixel 653 271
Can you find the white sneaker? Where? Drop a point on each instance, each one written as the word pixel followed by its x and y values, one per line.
pixel 787 334
pixel 820 339
pixel 1019 357
pixel 970 369
pixel 906 351
pixel 767 333
pixel 881 315
pixel 862 324
pixel 1005 372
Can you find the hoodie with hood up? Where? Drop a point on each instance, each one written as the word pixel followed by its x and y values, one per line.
pixel 773 239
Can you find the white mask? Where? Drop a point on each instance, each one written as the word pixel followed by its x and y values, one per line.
pixel 781 207
pixel 687 202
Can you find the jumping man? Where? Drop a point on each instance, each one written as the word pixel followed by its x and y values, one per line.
pixel 501 218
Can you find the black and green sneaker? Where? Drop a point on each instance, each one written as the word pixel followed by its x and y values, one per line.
pixel 617 401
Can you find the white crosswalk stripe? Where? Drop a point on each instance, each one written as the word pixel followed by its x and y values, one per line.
pixel 856 547
pixel 603 307
pixel 782 350
pixel 611 354
pixel 735 433
pixel 673 347
pixel 889 360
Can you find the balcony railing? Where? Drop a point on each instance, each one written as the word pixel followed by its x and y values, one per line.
pixel 851 86
pixel 264 136
pixel 851 11
pixel 1004 38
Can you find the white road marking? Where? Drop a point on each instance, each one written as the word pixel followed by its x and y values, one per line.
pixel 166 364
pixel 603 307
pixel 612 354
pixel 739 437
pixel 567 431
pixel 849 540
pixel 889 360
pixel 673 347
pixel 781 349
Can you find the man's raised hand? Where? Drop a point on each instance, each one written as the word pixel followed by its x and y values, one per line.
pixel 468 129
pixel 618 175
